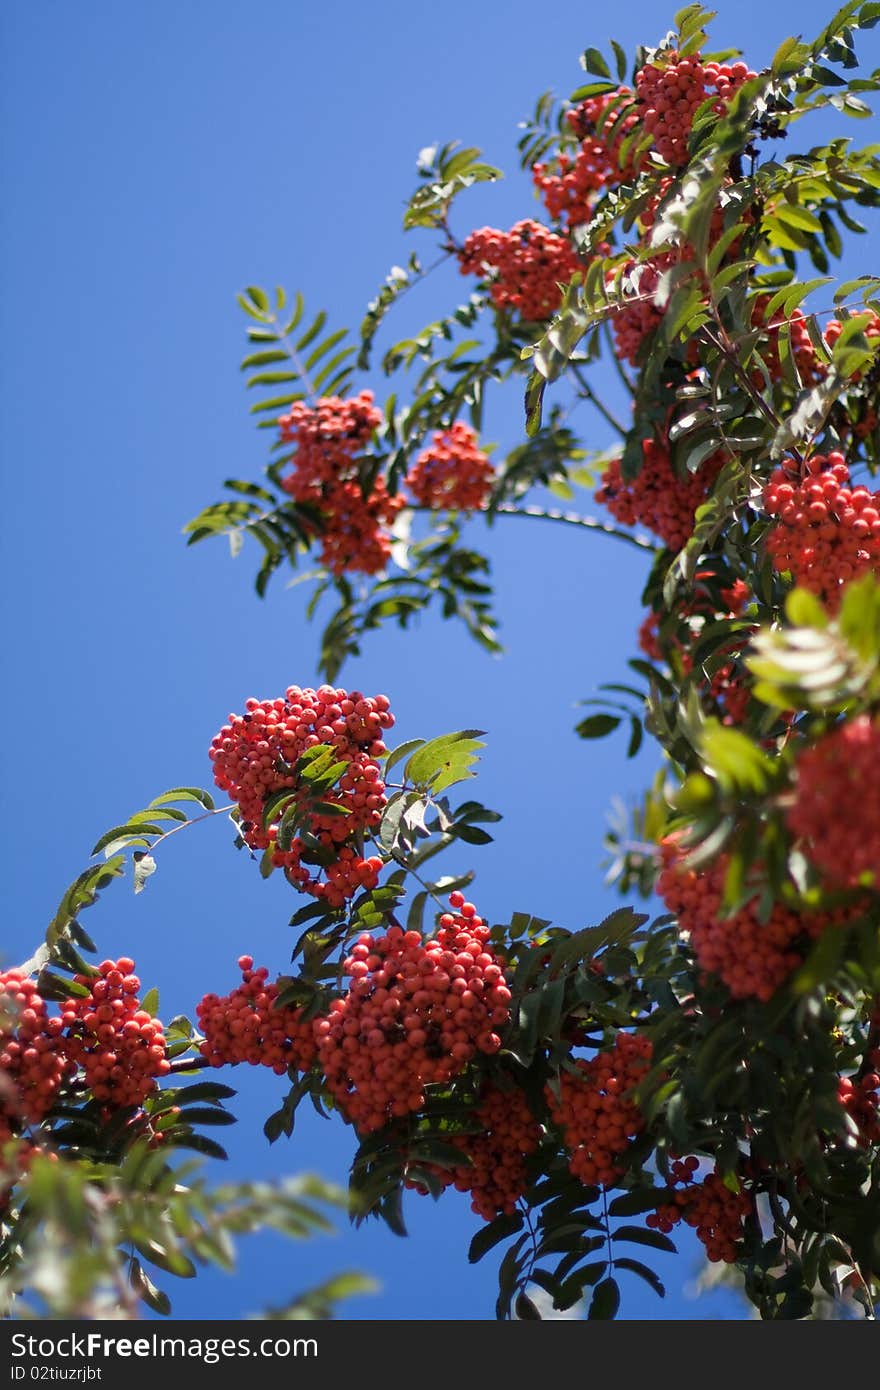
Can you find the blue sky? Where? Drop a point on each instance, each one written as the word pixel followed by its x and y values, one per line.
pixel 155 159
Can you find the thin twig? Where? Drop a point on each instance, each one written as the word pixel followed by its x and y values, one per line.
pixel 183 825
pixel 589 523
pixel 619 367
pixel 294 356
pixel 399 860
pixel 588 394
pixel 722 343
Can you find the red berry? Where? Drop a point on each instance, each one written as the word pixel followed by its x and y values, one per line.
pixel 524 268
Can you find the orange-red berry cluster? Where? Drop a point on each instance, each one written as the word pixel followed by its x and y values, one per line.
pixel 715 1212
pixel 255 753
pixel 524 267
pixel 452 472
pixel 415 1014
pixel 827 531
pixel 751 956
pixel 730 690
pixel 671 94
pixel 595 1111
pixel 860 1097
pixel 33 1060
pixel 120 1047
pixel 330 438
pixel 639 314
pixel 657 497
pixel 496 1176
pixel 836 809
pixel 569 184
pixel 701 606
pixel 246 1026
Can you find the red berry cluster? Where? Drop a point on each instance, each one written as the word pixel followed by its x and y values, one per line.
pixel 452 473
pixel 33 1060
pixel 120 1047
pixel 570 183
pixel 715 1212
pixel 638 316
pixel 246 1026
pixel 254 756
pixel 671 94
pixel 751 956
pixel 657 497
pixel 355 536
pixel 594 1109
pixel 648 638
pixel 524 267
pixel 416 1013
pixel 731 691
pixel 736 597
pixel 330 437
pixel 841 770
pixel 701 607
pixel 860 1097
pixel 496 1176
pixel 827 531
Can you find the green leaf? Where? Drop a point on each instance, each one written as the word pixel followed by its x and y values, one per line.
pixel 443 761
pixel 636 1267
pixel 258 297
pixel 643 1235
pixel 593 62
pixel 492 1234
pixel 471 834
pixel 391 819
pixel 597 725
pixel 796 216
pixel 126 834
pixel 605 1301
pixel 525 1309
pixel 803 609
pixel 147 1290
pixel 203 1090
pixel 738 764
pixel 402 751
pixel 185 794
pixel 264 359
pixel 205 1115
pixel 171 1260
pixel 635 1202
pixel 150 1002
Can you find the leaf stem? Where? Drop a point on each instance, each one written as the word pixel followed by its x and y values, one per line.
pixel 588 394
pixel 294 356
pixel 401 862
pixel 217 811
pixel 618 365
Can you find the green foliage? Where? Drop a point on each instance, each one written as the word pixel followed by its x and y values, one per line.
pixel 821 664
pixel 736 371
pixel 446 172
pixel 94 1237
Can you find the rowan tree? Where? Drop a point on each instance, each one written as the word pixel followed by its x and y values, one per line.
pixel 589 1089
